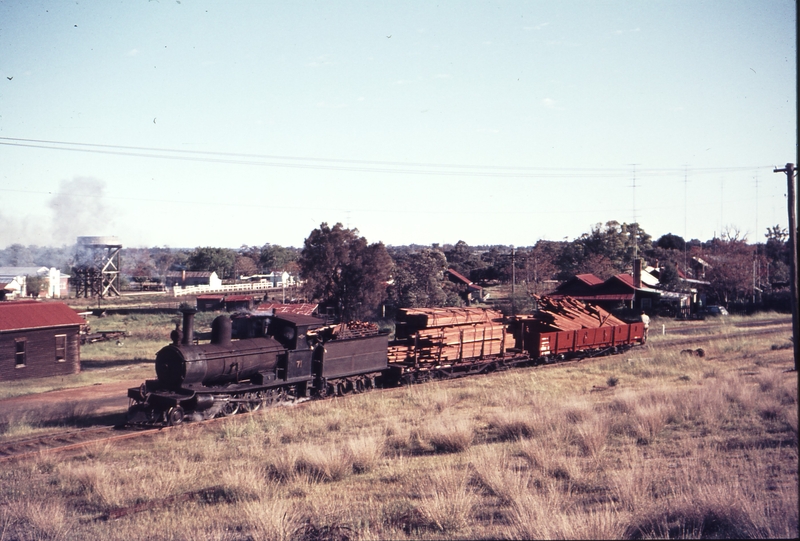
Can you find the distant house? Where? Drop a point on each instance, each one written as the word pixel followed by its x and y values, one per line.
pixel 618 292
pixel 468 290
pixel 192 278
pixel 5 291
pixel 274 279
pixel 38 339
pixel 11 290
pixel 16 279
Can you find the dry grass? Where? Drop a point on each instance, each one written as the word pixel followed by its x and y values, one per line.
pixel 678 447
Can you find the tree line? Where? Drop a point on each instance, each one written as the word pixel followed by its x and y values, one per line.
pixel 360 280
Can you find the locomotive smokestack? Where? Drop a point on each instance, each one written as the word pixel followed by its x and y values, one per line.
pixel 188 325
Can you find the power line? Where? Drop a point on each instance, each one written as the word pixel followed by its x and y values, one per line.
pixel 363 166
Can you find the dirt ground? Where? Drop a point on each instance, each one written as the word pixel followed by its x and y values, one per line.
pixel 103 398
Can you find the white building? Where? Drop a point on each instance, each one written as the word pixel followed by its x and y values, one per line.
pixel 16 279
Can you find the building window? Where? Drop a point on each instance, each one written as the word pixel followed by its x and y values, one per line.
pixel 61 348
pixel 19 352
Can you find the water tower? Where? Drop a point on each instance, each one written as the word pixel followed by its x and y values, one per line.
pixel 97 266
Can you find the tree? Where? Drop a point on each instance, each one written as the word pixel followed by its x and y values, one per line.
pixel 671 242
pixel 277 258
pixel 669 278
pixel 731 271
pixel 341 270
pixel 418 279
pixel 18 255
pixel 540 266
pixel 462 259
pixel 219 260
pixel 607 250
pixel 245 266
pixel 253 252
pixel 163 258
pixel 34 285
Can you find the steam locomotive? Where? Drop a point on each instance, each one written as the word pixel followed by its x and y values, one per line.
pixel 275 358
pixel 260 360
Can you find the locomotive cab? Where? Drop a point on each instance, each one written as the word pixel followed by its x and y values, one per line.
pixel 291 330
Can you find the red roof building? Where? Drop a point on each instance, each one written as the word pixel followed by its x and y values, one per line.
pixel 38 339
pixel 616 292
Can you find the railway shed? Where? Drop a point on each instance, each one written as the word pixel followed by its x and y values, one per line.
pixel 38 339
pixel 209 303
pixel 238 302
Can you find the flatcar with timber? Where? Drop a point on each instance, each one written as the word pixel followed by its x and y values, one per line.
pixel 440 343
pixel 252 361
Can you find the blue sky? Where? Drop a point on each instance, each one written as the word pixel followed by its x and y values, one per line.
pixel 205 123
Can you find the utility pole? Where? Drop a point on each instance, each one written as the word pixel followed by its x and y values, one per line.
pixel 513 283
pixel 791 197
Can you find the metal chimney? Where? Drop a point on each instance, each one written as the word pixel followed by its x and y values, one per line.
pixel 188 325
pixel 637 273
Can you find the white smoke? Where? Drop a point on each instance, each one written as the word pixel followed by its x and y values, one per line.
pixel 28 230
pixel 79 209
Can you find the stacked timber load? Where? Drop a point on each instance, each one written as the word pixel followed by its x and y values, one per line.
pixel 438 336
pixel 342 331
pixel 568 314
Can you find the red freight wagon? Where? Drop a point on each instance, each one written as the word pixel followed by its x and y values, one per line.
pixel 550 346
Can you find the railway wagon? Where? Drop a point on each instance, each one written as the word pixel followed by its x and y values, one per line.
pixel 544 346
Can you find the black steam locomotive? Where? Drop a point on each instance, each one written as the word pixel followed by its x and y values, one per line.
pixel 254 361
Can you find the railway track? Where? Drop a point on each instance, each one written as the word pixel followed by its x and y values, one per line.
pixel 78 439
pixel 695 338
pixel 68 440
pixel 690 328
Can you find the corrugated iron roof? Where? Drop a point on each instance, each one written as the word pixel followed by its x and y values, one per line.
pixel 626 279
pixel 189 274
pixel 589 279
pixel 300 319
pixel 464 280
pixel 595 298
pixel 18 315
pixel 238 298
pixel 22 271
pixel 303 309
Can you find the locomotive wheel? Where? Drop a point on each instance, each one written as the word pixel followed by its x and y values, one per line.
pixel 230 408
pixel 253 402
pixel 175 416
pixel 360 386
